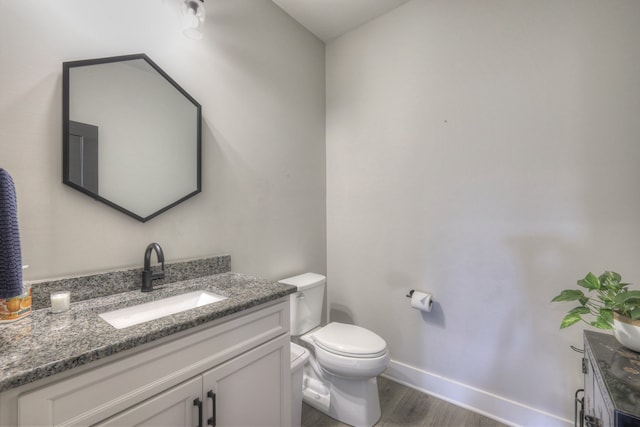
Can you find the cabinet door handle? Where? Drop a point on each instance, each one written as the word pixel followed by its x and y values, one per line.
pixel 212 421
pixel 197 402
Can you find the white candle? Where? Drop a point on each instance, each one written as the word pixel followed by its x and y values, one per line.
pixel 60 301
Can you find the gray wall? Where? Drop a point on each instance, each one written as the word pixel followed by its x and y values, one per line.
pixel 486 152
pixel 259 77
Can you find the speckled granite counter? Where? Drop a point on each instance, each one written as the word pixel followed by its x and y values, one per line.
pixel 114 282
pixel 45 344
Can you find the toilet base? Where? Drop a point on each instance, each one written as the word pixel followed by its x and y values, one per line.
pixel 353 402
pixel 316 393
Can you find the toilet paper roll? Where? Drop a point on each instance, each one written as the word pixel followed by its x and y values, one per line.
pixel 421 301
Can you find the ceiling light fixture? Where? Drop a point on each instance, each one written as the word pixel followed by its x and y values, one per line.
pixel 193 14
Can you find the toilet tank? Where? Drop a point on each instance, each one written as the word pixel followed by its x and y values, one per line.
pixel 306 304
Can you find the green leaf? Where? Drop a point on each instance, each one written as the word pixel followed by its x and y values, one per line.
pixel 601 324
pixel 610 278
pixel 635 313
pixel 590 282
pixel 570 295
pixel 606 315
pixel 570 319
pixel 627 297
pixel 580 310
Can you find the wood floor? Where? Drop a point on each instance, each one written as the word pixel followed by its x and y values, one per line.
pixel 404 406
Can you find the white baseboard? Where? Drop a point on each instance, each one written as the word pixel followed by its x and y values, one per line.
pixel 498 408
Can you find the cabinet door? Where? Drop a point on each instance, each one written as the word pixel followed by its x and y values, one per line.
pixel 253 389
pixel 595 407
pixel 172 408
pixel 600 407
pixel 589 406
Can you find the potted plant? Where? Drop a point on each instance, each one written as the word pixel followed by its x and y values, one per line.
pixel 610 303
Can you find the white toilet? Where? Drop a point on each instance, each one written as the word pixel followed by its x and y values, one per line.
pixel 339 378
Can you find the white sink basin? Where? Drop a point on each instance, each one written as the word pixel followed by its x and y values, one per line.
pixel 134 315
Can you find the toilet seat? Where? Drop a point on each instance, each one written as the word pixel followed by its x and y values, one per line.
pixel 351 367
pixel 349 351
pixel 349 341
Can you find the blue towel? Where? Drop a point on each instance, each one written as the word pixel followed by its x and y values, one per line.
pixel 10 254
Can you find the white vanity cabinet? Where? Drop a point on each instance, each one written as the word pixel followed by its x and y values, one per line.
pixel 244 388
pixel 244 360
pixel 237 393
pixel 174 407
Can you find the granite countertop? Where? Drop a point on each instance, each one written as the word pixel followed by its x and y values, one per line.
pixel 44 344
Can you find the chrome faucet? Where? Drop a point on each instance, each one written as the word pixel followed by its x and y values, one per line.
pixel 147 274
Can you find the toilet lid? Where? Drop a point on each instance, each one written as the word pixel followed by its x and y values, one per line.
pixel 349 340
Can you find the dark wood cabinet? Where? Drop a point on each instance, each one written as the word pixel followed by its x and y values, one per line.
pixel 611 382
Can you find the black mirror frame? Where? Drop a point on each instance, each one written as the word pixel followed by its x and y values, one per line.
pixel 66 66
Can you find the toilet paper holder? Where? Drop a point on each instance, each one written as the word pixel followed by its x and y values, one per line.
pixel 422 301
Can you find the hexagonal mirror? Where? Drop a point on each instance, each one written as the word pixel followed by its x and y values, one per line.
pixel 131 135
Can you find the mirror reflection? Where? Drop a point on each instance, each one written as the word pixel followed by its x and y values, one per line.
pixel 131 135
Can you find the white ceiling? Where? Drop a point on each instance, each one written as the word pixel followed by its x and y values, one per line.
pixel 328 19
